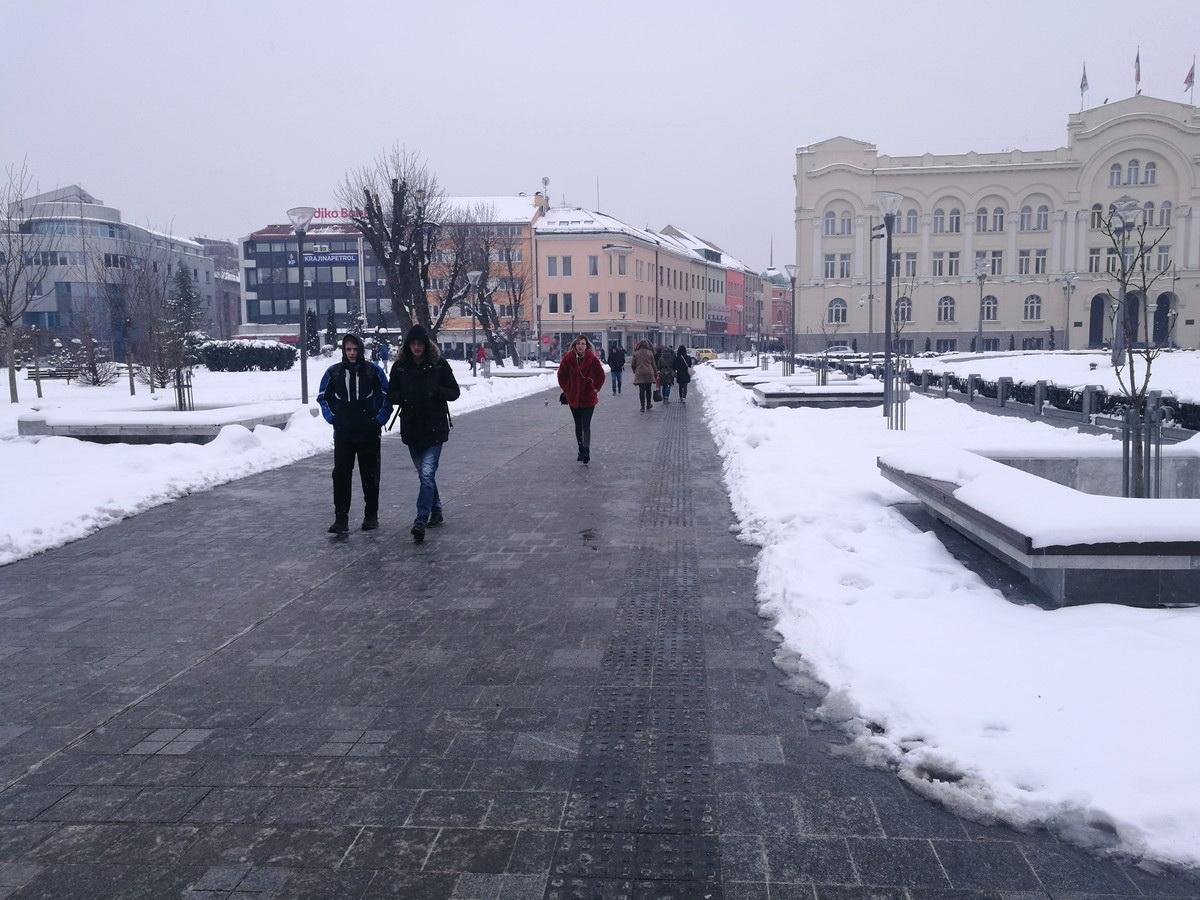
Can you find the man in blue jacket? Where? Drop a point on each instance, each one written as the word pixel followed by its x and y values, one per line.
pixel 354 400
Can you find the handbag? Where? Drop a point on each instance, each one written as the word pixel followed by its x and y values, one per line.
pixel 657 396
pixel 562 398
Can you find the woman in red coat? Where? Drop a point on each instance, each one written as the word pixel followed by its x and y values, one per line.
pixel 581 376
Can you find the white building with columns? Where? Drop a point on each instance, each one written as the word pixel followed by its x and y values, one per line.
pixel 1028 219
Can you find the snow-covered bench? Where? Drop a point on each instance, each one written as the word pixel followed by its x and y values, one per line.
pixel 1077 547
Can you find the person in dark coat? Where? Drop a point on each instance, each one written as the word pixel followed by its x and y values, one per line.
pixel 645 372
pixel 581 376
pixel 666 371
pixel 616 365
pixel 422 384
pixel 354 399
pixel 683 371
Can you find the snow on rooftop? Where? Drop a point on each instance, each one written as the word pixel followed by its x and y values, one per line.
pixel 567 219
pixel 503 209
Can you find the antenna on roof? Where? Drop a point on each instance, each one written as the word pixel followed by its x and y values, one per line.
pixel 597 193
pixel 772 265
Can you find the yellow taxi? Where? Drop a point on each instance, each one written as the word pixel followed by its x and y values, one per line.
pixel 704 354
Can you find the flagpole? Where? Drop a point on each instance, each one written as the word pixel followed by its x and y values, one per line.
pixel 1192 89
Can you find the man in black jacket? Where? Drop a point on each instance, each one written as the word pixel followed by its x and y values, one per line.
pixel 354 400
pixel 616 364
pixel 422 383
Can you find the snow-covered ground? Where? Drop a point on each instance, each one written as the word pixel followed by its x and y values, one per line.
pixel 1079 719
pixel 59 489
pixel 1177 372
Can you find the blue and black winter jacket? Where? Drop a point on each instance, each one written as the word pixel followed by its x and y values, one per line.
pixel 354 398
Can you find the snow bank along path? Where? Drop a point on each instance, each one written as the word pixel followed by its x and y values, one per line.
pixel 61 489
pixel 1080 719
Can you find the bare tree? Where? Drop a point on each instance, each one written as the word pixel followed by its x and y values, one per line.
pixel 25 258
pixel 1128 231
pixel 398 206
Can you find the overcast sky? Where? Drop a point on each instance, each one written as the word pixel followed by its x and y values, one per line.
pixel 213 117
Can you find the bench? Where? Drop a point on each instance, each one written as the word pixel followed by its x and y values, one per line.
pixel 64 372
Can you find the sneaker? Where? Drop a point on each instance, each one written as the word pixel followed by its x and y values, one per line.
pixel 340 526
pixel 418 532
pixel 370 523
pixel 435 520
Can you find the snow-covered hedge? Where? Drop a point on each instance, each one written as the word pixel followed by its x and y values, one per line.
pixel 245 356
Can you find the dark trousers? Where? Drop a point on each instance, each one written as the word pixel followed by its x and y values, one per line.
pixel 646 394
pixel 583 426
pixel 345 451
pixel 683 390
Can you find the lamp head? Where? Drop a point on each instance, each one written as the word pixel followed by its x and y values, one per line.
pixel 1126 209
pixel 791 270
pixel 473 278
pixel 981 268
pixel 300 217
pixel 888 202
pixel 419 193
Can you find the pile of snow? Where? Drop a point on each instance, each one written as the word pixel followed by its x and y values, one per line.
pixel 61 489
pixel 1077 719
pixel 1177 372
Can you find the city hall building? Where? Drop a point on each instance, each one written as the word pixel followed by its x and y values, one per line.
pixel 1029 221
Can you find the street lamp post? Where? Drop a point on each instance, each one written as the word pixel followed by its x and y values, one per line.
pixel 889 204
pixel 1069 281
pixel 539 333
pixel 1122 218
pixel 981 274
pixel 473 279
pixel 789 363
pixel 300 217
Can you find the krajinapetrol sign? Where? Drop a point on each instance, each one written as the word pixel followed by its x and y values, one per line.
pixel 325 259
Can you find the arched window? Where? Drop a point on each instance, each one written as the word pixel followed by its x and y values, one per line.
pixel 847 223
pixel 830 222
pixel 1151 176
pixel 1043 218
pixel 981 219
pixel 1134 172
pixel 1097 220
pixel 955 221
pixel 904 309
pixel 1033 308
pixel 998 219
pixel 1164 214
pixel 939 221
pixel 946 309
pixel 836 313
pixel 1114 175
pixel 1148 212
pixel 991 308
pixel 1026 221
pixel 910 221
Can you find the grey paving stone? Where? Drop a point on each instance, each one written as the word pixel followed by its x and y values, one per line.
pixel 809 860
pixel 471 850
pixel 985 865
pixel 903 863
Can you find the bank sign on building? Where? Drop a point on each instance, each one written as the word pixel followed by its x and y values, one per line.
pixel 1027 221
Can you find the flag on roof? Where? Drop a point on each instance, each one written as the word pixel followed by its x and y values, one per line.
pixel 1083 85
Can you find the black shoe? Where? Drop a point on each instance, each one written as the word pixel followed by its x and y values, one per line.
pixel 340 525
pixel 370 523
pixel 579 455
pixel 435 520
pixel 586 456
pixel 418 532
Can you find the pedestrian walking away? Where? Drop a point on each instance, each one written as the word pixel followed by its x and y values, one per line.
pixel 354 399
pixel 422 386
pixel 683 371
pixel 581 376
pixel 616 365
pixel 666 371
pixel 644 374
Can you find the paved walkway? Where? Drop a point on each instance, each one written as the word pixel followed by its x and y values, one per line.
pixel 565 692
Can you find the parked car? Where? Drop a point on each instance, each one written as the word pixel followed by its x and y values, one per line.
pixel 705 354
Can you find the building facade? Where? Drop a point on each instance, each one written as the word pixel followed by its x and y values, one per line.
pixel 1013 239
pixel 89 254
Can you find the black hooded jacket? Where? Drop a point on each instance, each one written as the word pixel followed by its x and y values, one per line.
pixel 422 390
pixel 354 397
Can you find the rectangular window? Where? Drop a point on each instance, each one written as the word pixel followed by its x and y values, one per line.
pixel 1164 258
pixel 946 345
pixel 910 265
pixel 1039 262
pixel 1031 343
pixel 551 265
pixel 1112 262
pixel 593 265
pixel 905 346
pixel 843 266
pixel 554 303
pixel 830 264
pixel 1093 259
pixel 997 262
pixel 1022 262
pixel 593 303
pixel 566 263
pixel 991 344
pixel 895 265
pixel 621 264
pixel 566 303
pixel 621 301
pixel 939 264
pixel 952 264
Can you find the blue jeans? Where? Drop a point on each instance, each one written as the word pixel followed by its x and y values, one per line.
pixel 666 391
pixel 425 459
pixel 615 374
